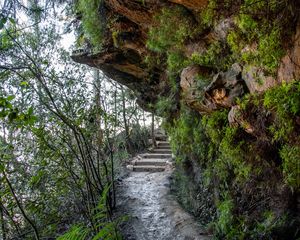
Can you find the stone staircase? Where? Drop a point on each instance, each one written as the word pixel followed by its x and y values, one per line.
pixel 156 160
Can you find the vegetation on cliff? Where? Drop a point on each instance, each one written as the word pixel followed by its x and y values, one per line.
pixel 253 181
pixel 249 170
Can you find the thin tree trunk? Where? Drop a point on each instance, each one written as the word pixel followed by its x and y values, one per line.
pixel 30 222
pixel 3 227
pixel 127 137
pixel 152 131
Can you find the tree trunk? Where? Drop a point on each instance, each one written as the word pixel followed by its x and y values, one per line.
pixel 30 222
pixel 152 131
pixel 127 133
pixel 3 227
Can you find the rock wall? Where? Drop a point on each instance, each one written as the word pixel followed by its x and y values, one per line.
pixel 124 50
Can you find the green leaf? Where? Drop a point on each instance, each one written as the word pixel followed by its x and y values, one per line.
pixel 12 21
pixel 24 83
pixel 2 167
pixel 10 98
pixel 2 22
pixel 30 111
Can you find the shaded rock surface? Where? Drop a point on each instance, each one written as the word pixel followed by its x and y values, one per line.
pixel 289 68
pixel 192 4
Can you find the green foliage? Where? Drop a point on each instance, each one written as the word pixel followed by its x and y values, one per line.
pixel 215 124
pixel 107 227
pixel 7 29
pixel 232 157
pixel 214 57
pixel 234 42
pixel 176 62
pixel 270 50
pixel 164 36
pixel 257 37
pixel 207 16
pixel 247 25
pixel 230 161
pixel 190 145
pixel 209 58
pixel 259 46
pixel 167 41
pixel 266 226
pixel 76 232
pixel 285 101
pixel 165 105
pixel 91 20
pixel 188 137
pixel 224 223
pixel 12 114
pixel 291 165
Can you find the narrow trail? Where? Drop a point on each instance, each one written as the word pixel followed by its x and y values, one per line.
pixel 153 212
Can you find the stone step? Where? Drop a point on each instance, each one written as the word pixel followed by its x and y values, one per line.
pixel 161 137
pixel 159 150
pixel 156 155
pixel 163 143
pixel 150 161
pixel 163 147
pixel 148 168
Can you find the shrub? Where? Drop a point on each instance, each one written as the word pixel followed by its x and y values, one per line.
pixel 214 125
pixel 284 100
pixel 208 14
pixel 270 50
pixel 247 24
pixel 291 165
pixel 176 62
pixel 225 215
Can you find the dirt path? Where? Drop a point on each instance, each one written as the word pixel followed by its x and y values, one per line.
pixel 154 213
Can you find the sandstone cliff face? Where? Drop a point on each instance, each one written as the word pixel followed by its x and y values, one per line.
pixel 122 58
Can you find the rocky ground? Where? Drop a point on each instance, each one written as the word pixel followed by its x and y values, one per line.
pixel 153 212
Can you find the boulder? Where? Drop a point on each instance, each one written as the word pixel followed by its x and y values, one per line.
pixel 190 92
pixel 221 92
pixel 235 119
pixel 226 87
pixel 223 28
pixel 256 80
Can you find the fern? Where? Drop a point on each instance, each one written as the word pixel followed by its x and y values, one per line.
pixel 107 228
